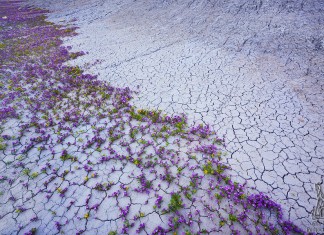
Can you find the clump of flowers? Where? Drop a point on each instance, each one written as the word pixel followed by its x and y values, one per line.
pixel 201 130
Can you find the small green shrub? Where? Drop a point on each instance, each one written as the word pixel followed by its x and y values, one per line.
pixel 175 202
pixel 26 171
pixel 232 217
pixel 34 175
pixel 2 144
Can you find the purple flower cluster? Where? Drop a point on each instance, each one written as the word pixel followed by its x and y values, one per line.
pixel 208 149
pixel 201 130
pixel 7 112
pixel 262 201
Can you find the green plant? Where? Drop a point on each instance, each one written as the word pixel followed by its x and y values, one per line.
pixel 26 171
pixel 34 175
pixel 188 232
pixel 188 195
pixel 242 196
pixel 218 196
pixel 222 223
pixel 232 217
pixel 227 179
pixel 164 128
pixel 2 144
pixel 136 116
pixel 220 169
pixel 148 184
pixel 18 211
pixel 208 169
pixel 142 141
pixel 169 178
pixel 133 133
pixel 75 71
pixel 175 202
pixel 180 126
pixel 66 157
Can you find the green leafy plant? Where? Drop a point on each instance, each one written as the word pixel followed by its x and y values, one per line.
pixel 26 171
pixel 175 202
pixel 232 217
pixel 3 145
pixel 65 156
pixel 34 175
pixel 208 169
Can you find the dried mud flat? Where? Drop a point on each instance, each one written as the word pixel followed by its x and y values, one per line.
pixel 253 70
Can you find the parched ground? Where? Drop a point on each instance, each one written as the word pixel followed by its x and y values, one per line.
pixel 81 154
pixel 251 69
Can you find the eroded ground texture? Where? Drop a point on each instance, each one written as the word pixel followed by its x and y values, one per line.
pixel 251 69
pixel 79 155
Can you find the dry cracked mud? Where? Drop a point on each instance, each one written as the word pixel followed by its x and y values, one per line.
pixel 253 70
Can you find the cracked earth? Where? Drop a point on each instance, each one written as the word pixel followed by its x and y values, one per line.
pixel 252 70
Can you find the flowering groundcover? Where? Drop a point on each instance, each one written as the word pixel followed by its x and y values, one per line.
pixel 76 157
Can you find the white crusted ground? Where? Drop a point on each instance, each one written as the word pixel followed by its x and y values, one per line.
pixel 252 69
